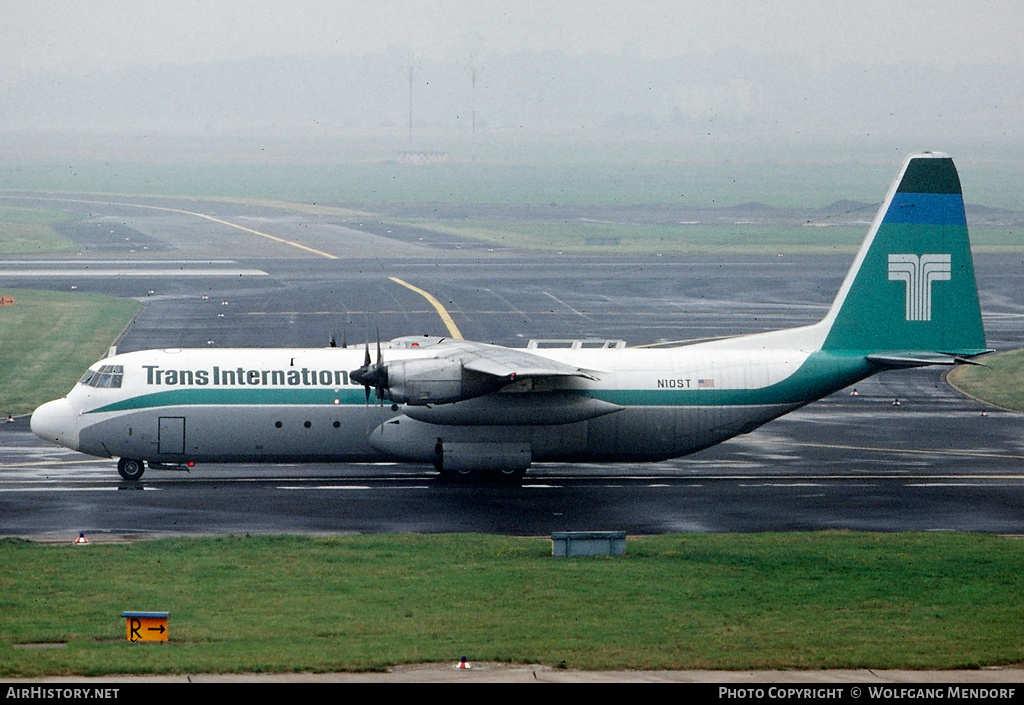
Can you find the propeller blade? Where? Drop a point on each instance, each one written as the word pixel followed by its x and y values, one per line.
pixel 372 374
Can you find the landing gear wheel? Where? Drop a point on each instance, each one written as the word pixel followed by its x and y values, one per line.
pixel 131 469
pixel 511 476
pixel 483 476
pixel 458 476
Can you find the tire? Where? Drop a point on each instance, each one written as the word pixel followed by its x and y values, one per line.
pixel 458 476
pixel 483 477
pixel 510 477
pixel 131 469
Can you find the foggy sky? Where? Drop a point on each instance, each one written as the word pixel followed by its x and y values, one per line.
pixel 774 70
pixel 94 35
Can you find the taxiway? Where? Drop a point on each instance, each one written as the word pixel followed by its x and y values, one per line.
pixel 935 461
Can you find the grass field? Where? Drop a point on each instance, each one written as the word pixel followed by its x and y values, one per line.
pixel 48 339
pixel 281 604
pixel 512 178
pixel 30 231
pixel 999 380
pixel 536 173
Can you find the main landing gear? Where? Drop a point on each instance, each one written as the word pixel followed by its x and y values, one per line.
pixel 504 476
pixel 131 469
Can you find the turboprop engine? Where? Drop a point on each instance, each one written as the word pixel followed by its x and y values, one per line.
pixel 436 381
pixel 420 382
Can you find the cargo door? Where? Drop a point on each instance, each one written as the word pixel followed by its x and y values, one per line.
pixel 171 440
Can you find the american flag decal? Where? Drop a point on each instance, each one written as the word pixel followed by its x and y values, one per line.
pixel 706 383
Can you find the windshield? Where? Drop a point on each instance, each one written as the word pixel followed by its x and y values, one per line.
pixel 106 377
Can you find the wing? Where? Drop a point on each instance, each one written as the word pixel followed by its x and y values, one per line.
pixel 501 362
pixel 496 369
pixel 456 370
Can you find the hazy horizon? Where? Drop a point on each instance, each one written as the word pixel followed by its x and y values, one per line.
pixel 638 82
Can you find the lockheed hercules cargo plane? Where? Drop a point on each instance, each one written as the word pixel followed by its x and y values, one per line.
pixel 472 409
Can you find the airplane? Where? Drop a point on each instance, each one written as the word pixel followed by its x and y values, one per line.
pixel 478 411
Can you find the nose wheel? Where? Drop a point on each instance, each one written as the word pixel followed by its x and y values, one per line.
pixel 131 469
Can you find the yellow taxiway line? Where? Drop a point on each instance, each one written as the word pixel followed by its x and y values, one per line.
pixel 453 330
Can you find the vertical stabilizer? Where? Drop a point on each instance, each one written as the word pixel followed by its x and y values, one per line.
pixel 912 285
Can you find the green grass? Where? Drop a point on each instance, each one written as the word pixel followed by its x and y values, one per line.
pixel 30 231
pixel 999 380
pixel 280 604
pixel 538 174
pixel 48 339
pixel 508 178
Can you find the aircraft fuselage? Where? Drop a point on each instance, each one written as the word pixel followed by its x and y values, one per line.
pixel 280 405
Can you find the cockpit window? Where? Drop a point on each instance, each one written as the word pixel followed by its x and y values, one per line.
pixel 106 377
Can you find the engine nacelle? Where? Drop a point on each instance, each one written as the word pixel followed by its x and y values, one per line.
pixel 526 409
pixel 436 381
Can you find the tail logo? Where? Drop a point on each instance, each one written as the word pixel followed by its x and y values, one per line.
pixel 917 274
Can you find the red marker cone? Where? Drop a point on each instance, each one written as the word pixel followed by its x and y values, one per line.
pixel 463 663
pixel 81 540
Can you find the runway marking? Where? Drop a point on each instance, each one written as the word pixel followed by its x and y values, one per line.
pixel 453 330
pixel 50 463
pixel 127 262
pixel 166 209
pixel 955 484
pixel 131 272
pixel 907 451
pixel 578 313
pixel 317 488
pixel 68 489
pixel 315 251
pixel 325 487
pixel 506 301
pixel 784 484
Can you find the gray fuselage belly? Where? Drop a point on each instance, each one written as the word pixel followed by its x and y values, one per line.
pixel 343 433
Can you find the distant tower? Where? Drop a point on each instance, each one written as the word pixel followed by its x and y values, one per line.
pixel 410 72
pixel 473 72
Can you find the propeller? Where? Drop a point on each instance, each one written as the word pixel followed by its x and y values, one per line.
pixel 334 338
pixel 372 375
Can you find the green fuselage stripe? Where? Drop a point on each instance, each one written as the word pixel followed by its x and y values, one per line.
pixel 820 375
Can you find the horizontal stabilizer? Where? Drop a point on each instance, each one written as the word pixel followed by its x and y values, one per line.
pixel 920 358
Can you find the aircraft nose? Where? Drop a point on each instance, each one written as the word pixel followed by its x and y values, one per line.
pixel 55 421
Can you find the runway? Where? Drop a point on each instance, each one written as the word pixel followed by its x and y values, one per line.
pixel 933 462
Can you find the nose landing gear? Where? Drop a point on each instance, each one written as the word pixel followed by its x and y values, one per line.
pixel 131 469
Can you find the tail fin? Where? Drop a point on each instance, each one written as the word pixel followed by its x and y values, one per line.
pixel 910 296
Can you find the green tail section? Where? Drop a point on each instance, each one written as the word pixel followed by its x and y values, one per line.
pixel 911 290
